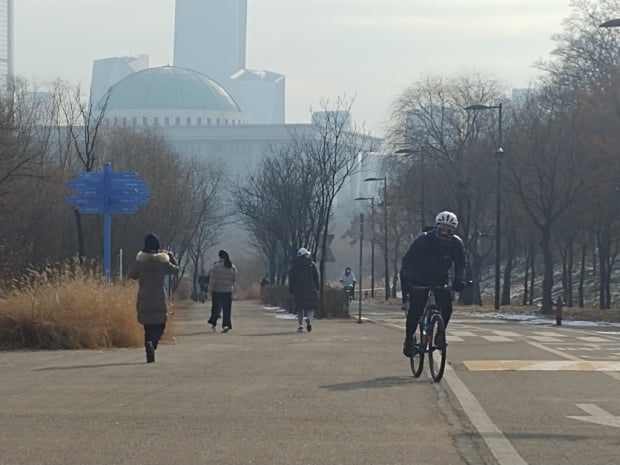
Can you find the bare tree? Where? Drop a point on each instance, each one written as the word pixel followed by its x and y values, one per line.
pixel 83 120
pixel 336 153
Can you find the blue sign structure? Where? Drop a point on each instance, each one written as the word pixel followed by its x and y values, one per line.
pixel 108 193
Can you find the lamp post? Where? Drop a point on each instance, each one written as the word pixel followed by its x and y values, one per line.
pixel 413 152
pixel 359 313
pixel 498 193
pixel 385 232
pixel 372 244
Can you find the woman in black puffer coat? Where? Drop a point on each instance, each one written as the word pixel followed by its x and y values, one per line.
pixel 303 285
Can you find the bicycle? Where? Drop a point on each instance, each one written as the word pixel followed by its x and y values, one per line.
pixel 349 291
pixel 432 337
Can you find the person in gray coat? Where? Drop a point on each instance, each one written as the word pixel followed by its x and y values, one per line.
pixel 151 267
pixel 303 285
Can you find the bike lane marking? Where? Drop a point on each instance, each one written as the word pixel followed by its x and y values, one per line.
pixel 613 374
pixel 500 447
pixel 540 365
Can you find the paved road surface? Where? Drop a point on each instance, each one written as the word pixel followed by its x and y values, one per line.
pixel 261 394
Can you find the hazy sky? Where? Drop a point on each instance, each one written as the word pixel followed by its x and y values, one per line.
pixel 369 49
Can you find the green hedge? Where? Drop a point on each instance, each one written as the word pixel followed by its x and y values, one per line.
pixel 336 304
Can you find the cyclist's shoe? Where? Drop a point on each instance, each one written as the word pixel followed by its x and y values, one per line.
pixel 408 348
pixel 300 329
pixel 308 325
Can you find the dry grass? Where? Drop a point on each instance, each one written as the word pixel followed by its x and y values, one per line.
pixel 69 308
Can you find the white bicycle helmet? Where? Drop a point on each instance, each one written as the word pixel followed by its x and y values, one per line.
pixel 447 218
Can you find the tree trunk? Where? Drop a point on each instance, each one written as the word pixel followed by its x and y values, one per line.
pixel 533 274
pixel 569 276
pixel 547 285
pixel 526 276
pixel 582 276
pixel 510 255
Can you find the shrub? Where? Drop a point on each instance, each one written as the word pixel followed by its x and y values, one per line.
pixel 335 304
pixel 251 292
pixel 69 308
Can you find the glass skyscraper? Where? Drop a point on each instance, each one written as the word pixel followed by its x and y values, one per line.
pixel 210 36
pixel 6 43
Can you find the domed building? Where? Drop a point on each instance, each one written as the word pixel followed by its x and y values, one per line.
pixel 170 96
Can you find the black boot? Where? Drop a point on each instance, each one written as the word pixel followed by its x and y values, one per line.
pixel 150 352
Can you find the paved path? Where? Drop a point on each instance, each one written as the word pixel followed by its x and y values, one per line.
pixel 261 394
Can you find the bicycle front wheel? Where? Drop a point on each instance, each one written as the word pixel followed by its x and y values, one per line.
pixel 417 360
pixel 437 348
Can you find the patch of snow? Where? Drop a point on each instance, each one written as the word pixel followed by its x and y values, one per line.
pixel 537 319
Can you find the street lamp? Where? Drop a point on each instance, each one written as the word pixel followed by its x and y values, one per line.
pixel 385 232
pixel 372 244
pixel 413 152
pixel 499 155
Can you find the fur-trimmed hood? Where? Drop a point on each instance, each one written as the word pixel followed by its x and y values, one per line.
pixel 161 257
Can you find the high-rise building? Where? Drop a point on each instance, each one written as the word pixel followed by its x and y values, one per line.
pixel 108 71
pixel 6 43
pixel 259 93
pixel 210 36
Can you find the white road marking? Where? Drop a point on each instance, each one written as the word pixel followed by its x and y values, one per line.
pixel 462 333
pixel 568 356
pixel 507 333
pixel 593 339
pixel 497 443
pixel 597 415
pixel 496 338
pixel 546 338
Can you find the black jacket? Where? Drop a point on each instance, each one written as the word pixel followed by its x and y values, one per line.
pixel 303 283
pixel 428 260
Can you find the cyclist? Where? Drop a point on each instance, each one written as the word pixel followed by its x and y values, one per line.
pixel 427 263
pixel 347 279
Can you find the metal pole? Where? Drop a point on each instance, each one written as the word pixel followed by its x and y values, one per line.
pixel 359 314
pixel 422 189
pixel 372 248
pixel 107 224
pixel 497 231
pixel 498 213
pixel 387 271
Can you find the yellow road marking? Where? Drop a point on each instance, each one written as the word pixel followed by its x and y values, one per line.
pixel 541 365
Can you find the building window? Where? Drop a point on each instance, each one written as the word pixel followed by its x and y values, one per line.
pixel 145 121
pixel 199 120
pixel 167 121
pixel 134 121
pixel 156 120
pixel 217 121
pixel 226 121
pixel 177 121
pixel 188 121
pixel 209 121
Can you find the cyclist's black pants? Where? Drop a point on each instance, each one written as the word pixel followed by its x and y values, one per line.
pixel 417 302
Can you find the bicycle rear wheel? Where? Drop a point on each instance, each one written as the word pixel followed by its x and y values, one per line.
pixel 438 349
pixel 417 360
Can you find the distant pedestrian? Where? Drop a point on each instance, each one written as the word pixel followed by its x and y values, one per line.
pixel 150 269
pixel 203 283
pixel 221 284
pixel 303 285
pixel 264 282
